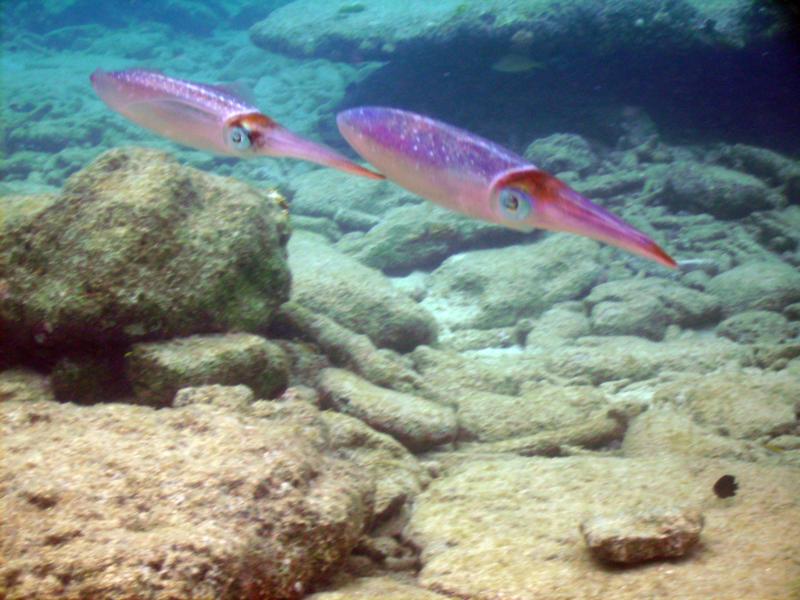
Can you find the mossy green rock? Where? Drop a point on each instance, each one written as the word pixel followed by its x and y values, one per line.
pixel 138 247
pixel 647 306
pixel 721 192
pixel 563 152
pixel 416 236
pixel 757 285
pixel 157 370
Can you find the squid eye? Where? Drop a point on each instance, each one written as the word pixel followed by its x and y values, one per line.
pixel 239 138
pixel 514 204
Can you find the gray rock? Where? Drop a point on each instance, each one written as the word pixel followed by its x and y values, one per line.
pixel 23 385
pixel 157 370
pixel 716 190
pixel 758 326
pixel 231 397
pixel 417 423
pixel 138 247
pixel 646 307
pixel 630 538
pixel 184 503
pixel 494 288
pixel 421 235
pixel 767 165
pixel 360 298
pixel 769 285
pixel 596 360
pixel 664 431
pixel 563 152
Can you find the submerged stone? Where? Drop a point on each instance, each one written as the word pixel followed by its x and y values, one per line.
pixel 139 247
pixel 630 538
pixel 197 502
pixel 157 370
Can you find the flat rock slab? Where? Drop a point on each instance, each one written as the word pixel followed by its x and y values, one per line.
pixel 507 529
pixel 120 501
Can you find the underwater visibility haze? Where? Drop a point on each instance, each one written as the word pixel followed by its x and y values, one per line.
pixel 386 356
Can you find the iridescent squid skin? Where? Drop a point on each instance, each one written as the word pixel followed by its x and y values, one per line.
pixel 208 117
pixel 469 174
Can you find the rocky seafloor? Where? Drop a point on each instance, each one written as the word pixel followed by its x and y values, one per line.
pixel 213 389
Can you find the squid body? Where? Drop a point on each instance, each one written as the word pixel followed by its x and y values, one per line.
pixel 466 173
pixel 208 117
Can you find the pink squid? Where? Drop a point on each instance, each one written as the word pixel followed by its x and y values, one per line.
pixel 466 173
pixel 209 117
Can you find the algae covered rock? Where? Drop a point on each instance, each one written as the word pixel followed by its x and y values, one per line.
pixel 646 307
pixel 416 422
pixel 753 326
pixel 767 285
pixel 563 152
pixel 157 370
pixel 493 288
pixel 741 404
pixel 716 190
pixel 196 502
pixel 376 30
pixel 421 235
pixel 360 298
pixel 138 247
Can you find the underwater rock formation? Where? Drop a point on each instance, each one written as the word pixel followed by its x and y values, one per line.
pixel 157 370
pixel 127 501
pixel 356 296
pixel 417 423
pixel 388 30
pixel 138 247
pixel 470 290
pixel 507 527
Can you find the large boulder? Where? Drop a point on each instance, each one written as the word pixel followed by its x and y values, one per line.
pixel 563 152
pixel 738 404
pixel 157 370
pixel 117 501
pixel 138 247
pixel 356 296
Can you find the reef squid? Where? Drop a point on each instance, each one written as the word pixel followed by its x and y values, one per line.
pixel 209 117
pixel 469 174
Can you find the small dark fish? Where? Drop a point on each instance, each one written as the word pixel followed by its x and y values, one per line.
pixel 726 486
